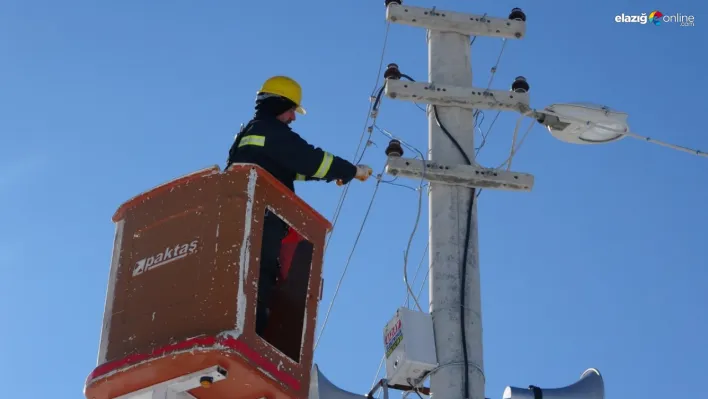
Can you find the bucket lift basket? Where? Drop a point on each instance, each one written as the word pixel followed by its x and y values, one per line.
pixel 181 298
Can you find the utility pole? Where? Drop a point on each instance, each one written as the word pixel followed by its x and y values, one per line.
pixel 449 63
pixel 454 180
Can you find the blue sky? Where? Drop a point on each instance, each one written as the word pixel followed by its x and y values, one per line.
pixel 602 265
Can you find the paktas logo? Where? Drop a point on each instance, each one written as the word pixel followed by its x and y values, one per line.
pixel 170 254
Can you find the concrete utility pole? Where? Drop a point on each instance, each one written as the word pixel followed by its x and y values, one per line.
pixel 454 183
pixel 449 63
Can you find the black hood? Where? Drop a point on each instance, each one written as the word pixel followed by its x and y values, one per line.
pixel 273 106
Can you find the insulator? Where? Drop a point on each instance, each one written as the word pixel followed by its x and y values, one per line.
pixel 392 72
pixel 516 13
pixel 520 85
pixel 394 149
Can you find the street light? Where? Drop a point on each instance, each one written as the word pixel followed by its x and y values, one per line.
pixel 586 123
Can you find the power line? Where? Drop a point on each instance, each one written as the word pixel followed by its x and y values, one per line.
pixel 477 112
pixel 409 291
pixel 515 148
pixel 391 182
pixel 374 111
pixel 485 135
pixel 417 270
pixel 372 107
pixel 346 265
pixel 417 218
pixel 371 114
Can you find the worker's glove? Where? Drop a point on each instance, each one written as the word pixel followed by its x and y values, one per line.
pixel 363 172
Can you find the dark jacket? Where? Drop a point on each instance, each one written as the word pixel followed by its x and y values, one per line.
pixel 272 145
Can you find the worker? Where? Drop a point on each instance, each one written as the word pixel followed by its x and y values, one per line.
pixel 268 141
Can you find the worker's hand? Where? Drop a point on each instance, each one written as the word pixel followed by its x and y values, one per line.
pixel 363 172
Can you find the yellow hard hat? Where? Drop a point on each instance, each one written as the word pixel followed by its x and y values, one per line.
pixel 286 87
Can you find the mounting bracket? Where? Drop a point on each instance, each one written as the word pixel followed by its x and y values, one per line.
pixel 466 24
pixel 460 175
pixel 177 388
pixel 464 97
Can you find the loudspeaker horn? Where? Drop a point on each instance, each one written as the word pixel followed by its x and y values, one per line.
pixel 589 386
pixel 322 388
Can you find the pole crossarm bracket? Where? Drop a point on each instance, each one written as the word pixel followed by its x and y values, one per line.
pixel 448 21
pixel 464 97
pixel 472 176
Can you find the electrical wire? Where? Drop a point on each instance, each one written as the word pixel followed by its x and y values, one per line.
pixel 346 265
pixel 373 111
pixel 420 290
pixel 496 65
pixel 465 250
pixel 420 206
pixel 477 121
pixel 466 247
pixel 409 293
pixel 379 181
pixel 415 276
pixel 515 148
pixel 408 248
pixel 464 254
pixel 345 191
pixel 664 144
pixel 489 85
pixel 390 182
pixel 485 135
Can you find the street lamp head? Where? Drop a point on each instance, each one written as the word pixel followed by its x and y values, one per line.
pixel 584 123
